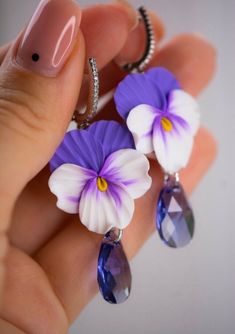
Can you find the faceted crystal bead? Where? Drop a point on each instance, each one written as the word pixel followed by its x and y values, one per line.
pixel 114 275
pixel 175 220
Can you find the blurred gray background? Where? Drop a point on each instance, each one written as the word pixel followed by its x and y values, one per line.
pixel 192 290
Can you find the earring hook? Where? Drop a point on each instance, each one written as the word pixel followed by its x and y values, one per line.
pixel 140 65
pixel 114 235
pixel 83 120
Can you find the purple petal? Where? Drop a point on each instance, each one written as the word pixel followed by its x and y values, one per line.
pixel 164 79
pixel 112 136
pixel 79 147
pixel 137 89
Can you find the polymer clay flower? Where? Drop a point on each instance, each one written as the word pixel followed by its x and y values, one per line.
pixel 161 117
pixel 97 174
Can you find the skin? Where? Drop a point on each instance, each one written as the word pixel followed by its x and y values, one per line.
pixel 48 259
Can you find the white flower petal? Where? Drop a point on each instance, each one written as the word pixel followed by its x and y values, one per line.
pixel 185 106
pixel 130 168
pixel 172 149
pixel 140 122
pixel 67 183
pixel 100 211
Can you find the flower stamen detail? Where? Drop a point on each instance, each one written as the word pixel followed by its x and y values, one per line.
pixel 166 124
pixel 102 184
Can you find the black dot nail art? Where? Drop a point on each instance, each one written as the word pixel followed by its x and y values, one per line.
pixel 35 57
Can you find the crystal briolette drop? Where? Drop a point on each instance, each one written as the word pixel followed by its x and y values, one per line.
pixel 114 275
pixel 175 219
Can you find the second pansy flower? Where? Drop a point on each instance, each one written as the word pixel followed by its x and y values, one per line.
pixel 161 117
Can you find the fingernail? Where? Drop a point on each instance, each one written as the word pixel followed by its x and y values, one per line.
pixel 130 10
pixel 50 36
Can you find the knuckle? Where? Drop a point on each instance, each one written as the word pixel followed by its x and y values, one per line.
pixel 17 121
pixel 21 107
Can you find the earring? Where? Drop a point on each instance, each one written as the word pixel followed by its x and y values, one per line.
pixel 163 120
pixel 97 174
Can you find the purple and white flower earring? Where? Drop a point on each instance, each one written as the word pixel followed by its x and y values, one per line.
pixel 97 174
pixel 163 120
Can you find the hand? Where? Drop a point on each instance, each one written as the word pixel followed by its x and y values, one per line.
pixel 51 258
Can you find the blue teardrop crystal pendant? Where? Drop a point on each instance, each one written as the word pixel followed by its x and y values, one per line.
pixel 113 274
pixel 175 219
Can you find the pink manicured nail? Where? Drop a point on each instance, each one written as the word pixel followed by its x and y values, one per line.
pixel 49 37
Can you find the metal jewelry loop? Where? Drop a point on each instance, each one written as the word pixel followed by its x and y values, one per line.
pixel 140 65
pixel 174 176
pixel 114 235
pixel 83 120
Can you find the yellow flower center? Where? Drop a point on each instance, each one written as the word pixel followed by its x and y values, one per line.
pixel 102 184
pixel 166 124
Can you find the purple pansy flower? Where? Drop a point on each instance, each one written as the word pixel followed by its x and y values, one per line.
pixel 161 117
pixel 97 173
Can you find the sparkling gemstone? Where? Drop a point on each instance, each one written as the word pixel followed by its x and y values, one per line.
pixel 114 275
pixel 175 220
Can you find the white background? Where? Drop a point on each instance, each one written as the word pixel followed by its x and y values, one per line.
pixel 186 291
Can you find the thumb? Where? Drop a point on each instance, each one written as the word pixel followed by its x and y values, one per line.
pixel 40 79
